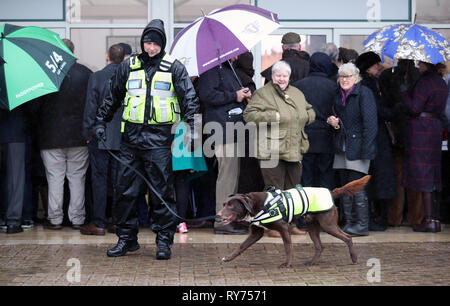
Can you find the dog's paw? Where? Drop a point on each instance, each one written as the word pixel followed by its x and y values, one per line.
pixel 226 259
pixel 309 263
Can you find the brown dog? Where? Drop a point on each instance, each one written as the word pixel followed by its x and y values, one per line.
pixel 244 207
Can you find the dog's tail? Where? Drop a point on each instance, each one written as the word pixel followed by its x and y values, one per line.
pixel 351 188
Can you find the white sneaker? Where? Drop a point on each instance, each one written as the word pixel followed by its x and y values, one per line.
pixel 182 228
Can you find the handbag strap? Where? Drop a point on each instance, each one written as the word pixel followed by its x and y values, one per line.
pixel 334 114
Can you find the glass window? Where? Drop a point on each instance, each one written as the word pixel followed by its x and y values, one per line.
pixel 108 11
pixel 271 50
pixel 189 10
pixel 436 11
pixel 91 45
pixel 176 31
pixel 353 42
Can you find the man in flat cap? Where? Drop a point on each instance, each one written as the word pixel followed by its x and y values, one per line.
pixel 292 54
pixel 157 93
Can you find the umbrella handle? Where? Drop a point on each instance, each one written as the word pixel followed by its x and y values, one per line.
pixel 237 78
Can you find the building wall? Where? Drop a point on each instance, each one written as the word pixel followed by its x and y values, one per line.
pixel 94 25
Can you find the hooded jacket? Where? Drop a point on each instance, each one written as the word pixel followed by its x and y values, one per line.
pixel 151 136
pixel 320 92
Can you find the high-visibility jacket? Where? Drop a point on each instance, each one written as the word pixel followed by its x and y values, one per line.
pixel 163 107
pixel 284 205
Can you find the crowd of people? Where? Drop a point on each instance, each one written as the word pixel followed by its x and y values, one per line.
pixel 337 116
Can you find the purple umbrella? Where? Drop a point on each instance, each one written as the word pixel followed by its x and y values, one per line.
pixel 221 35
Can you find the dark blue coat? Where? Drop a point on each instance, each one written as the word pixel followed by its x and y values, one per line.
pixel 320 92
pixel 95 94
pixel 382 184
pixel 14 125
pixel 217 92
pixel 359 117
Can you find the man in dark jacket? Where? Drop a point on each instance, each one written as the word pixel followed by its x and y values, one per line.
pixel 158 93
pixel 102 164
pixel 291 54
pixel 63 148
pixel 320 92
pixel 223 101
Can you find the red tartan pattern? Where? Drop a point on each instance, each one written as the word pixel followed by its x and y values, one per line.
pixel 422 161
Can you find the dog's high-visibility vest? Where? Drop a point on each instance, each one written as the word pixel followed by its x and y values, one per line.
pixel 164 106
pixel 284 205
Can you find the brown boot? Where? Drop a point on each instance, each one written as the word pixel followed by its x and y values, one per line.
pixel 273 234
pixel 415 214
pixel 427 226
pixel 294 230
pixel 91 229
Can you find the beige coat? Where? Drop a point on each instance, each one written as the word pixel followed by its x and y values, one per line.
pixel 289 141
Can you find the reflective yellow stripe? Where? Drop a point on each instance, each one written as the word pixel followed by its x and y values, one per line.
pixel 165 102
pixel 135 98
pixel 164 107
pixel 305 200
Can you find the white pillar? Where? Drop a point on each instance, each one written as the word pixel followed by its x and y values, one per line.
pixel 163 9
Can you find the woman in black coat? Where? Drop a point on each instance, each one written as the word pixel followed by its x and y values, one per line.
pixel 355 116
pixel 382 185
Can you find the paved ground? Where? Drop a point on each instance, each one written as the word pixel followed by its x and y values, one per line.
pixel 198 264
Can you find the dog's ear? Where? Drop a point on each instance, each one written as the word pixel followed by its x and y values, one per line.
pixel 244 200
pixel 247 206
pixel 247 201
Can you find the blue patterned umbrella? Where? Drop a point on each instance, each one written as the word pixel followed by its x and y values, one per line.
pixel 409 41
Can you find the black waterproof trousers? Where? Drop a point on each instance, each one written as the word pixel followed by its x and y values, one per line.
pixel 156 166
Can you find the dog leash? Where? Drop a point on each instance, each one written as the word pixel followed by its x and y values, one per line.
pixel 153 189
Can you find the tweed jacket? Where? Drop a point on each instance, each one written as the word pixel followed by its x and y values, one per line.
pixel 290 142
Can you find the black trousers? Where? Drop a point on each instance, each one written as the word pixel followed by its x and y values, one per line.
pixel 347 176
pixel 183 191
pixel 13 155
pixel 318 170
pixel 103 179
pixel 156 166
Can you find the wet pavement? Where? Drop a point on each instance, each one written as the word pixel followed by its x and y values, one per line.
pixel 41 257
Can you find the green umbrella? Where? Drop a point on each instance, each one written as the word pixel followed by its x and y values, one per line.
pixel 33 63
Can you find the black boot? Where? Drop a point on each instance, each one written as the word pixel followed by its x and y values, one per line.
pixel 164 243
pixel 378 222
pixel 127 243
pixel 347 204
pixel 361 226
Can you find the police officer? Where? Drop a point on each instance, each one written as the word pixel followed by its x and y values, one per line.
pixel 157 93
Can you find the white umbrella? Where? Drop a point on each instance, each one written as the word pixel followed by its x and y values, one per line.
pixel 221 35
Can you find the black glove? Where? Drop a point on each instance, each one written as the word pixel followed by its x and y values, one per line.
pixel 100 132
